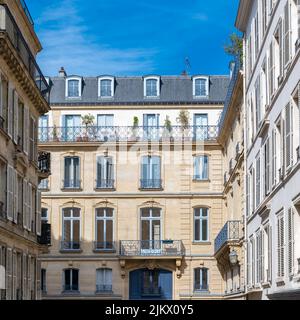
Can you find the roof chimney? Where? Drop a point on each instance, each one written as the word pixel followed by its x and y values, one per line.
pixel 184 73
pixel 62 73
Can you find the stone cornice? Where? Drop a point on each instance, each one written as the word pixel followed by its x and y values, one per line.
pixel 243 14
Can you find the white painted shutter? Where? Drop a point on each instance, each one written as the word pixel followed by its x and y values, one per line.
pixel 26 130
pixel 38 213
pixel 10 193
pixel 16 198
pixel 289 135
pixel 258 186
pixel 38 279
pixel 287 34
pixel 268 167
pixel 280 246
pixel 25 206
pixel 274 158
pixel 16 112
pixel 10 116
pixel 29 207
pixel 291 244
pixel 248 195
pixel 271 70
pixel 270 250
pixel 24 270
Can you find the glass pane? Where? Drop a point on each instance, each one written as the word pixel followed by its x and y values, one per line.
pixel 76 212
pixel 75 284
pixel 156 212
pixel 204 230
pixel 100 231
pixel 156 234
pixel 197 230
pixel 76 231
pixel 204 279
pixel 67 231
pixel 68 174
pixel 100 276
pixel 100 212
pixel 197 212
pixel 67 279
pixel 145 230
pixel 109 213
pixel 197 279
pixel 204 212
pixel 109 231
pixel 145 213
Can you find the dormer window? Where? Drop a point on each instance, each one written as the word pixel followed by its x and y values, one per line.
pixel 106 87
pixel 73 87
pixel 201 87
pixel 152 87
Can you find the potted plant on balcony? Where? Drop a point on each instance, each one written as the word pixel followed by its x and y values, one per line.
pixel 134 136
pixel 184 119
pixel 167 134
pixel 87 121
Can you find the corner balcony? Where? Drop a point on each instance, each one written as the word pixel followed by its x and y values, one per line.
pixel 230 235
pixel 127 134
pixel 44 164
pixel 17 54
pixel 167 249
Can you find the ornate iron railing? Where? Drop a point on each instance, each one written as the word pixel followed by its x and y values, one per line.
pixel 103 288
pixel 70 246
pixel 72 184
pixel 127 134
pixel 230 232
pixel 10 27
pixel 44 162
pixel 105 246
pixel 105 184
pixel 151 184
pixel 158 248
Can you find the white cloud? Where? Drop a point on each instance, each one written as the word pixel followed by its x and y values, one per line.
pixel 68 42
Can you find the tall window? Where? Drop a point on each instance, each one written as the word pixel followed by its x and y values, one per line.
pixel 291 241
pixel 151 172
pixel 280 246
pixel 201 279
pixel 3 187
pixel 106 88
pixel 43 127
pixel 201 231
pixel 201 168
pixel 43 280
pixel 4 103
pixel 104 229
pixel 45 215
pixel 72 173
pixel 201 87
pixel 105 173
pixel 73 88
pixel 151 228
pixel 104 280
pixel 71 229
pixel 151 87
pixel 201 126
pixel 71 127
pixel 71 280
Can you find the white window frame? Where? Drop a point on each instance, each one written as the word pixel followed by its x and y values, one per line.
pixel 112 79
pixel 207 86
pixel 157 78
pixel 79 87
pixel 201 218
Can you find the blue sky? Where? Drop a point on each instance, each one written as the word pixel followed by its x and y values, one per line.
pixel 133 37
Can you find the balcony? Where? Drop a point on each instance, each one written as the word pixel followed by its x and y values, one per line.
pixel 151 184
pixel 44 164
pixel 104 289
pixel 105 184
pixel 9 30
pixel 72 184
pixel 160 248
pixel 104 247
pixel 127 134
pixel 45 238
pixel 70 246
pixel 231 232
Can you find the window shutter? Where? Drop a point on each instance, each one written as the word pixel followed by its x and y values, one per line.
pixel 16 198
pixel 25 199
pixel 38 213
pixel 288 135
pixel 270 250
pixel 24 276
pixel 262 257
pixel 29 215
pixel 38 279
pixel 26 130
pixel 248 195
pixel 274 158
pixel 258 186
pixel 14 276
pixel 291 241
pixel 29 277
pixel 287 34
pixel 16 113
pixel 10 115
pixel 280 246
pixel 1 97
pixel 9 274
pixel 10 190
pixel 271 70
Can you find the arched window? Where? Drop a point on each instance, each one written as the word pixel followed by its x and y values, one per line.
pixel 71 229
pixel 73 87
pixel 201 87
pixel 104 280
pixel 104 229
pixel 152 87
pixel 201 279
pixel 106 87
pixel 201 225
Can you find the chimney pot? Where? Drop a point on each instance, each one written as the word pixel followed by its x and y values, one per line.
pixel 62 72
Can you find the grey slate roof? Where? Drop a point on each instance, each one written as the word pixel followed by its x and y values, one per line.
pixel 130 90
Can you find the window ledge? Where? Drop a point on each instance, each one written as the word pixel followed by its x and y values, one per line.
pixel 105 189
pixel 103 251
pixel 280 282
pixel 71 189
pixel 71 251
pixel 266 285
pixel 108 293
pixel 70 293
pixel 202 243
pixel 151 189
pixel 201 180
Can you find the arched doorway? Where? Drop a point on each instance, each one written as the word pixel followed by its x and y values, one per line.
pixel 147 284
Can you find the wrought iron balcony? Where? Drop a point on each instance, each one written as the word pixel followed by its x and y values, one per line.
pixel 127 134
pixel 70 246
pixel 44 163
pixel 9 27
pixel 72 184
pixel 230 232
pixel 105 184
pixel 160 248
pixel 104 289
pixel 106 246
pixel 45 238
pixel 151 184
